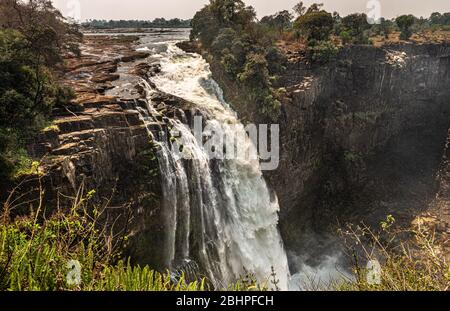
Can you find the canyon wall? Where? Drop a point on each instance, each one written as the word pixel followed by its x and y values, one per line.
pixel 361 137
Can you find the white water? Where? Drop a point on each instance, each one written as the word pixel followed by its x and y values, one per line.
pixel 219 213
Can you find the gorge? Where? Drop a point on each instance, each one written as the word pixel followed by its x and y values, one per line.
pixel 361 138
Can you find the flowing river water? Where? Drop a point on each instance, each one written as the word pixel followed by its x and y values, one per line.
pixel 219 213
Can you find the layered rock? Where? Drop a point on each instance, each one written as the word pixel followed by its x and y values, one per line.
pixel 361 137
pixel 103 141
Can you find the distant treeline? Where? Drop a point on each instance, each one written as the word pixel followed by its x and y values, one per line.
pixel 156 23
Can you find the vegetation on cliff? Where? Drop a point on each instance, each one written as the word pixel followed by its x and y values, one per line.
pixel 228 30
pixel 249 50
pixel 73 247
pixel 33 38
pixel 410 259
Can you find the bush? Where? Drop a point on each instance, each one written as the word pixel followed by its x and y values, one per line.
pixel 322 52
pixel 411 260
pixel 345 37
pixel 27 94
pixel 315 25
pixel 41 252
pixel 405 23
pixel 356 25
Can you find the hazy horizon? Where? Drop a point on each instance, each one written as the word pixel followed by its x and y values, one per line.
pixel 150 9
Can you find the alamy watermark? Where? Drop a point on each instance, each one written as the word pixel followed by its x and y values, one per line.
pixel 70 8
pixel 228 141
pixel 373 12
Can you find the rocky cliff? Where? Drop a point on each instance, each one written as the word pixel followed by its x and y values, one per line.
pixel 103 141
pixel 361 137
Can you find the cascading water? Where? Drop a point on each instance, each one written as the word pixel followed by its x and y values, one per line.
pixel 219 213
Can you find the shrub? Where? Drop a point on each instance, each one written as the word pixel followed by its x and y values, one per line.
pixel 405 23
pixel 345 37
pixel 322 52
pixel 39 251
pixel 255 72
pixel 411 260
pixel 356 25
pixel 315 25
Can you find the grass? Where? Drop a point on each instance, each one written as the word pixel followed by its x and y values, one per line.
pixel 411 260
pixel 71 250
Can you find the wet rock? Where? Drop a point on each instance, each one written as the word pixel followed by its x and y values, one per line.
pixel 104 77
pixel 132 56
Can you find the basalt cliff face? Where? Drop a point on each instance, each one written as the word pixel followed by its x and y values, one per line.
pixel 104 142
pixel 361 138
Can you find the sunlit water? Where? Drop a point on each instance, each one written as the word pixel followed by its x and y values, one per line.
pixel 217 213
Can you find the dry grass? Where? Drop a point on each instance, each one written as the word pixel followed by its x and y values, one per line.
pixel 411 260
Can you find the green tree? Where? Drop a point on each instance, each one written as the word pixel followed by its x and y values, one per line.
pixel 299 9
pixel 33 38
pixel 405 22
pixel 315 8
pixel 316 25
pixel 204 26
pixel 219 14
pixel 356 25
pixel 279 22
pixel 386 27
pixel 255 72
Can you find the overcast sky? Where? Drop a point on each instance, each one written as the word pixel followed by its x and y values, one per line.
pixel 150 9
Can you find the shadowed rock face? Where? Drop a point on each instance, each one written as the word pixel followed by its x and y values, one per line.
pixel 102 142
pixel 361 137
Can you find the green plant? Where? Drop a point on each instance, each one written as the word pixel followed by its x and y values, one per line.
pixel 36 247
pixel 356 25
pixel 315 25
pixel 405 22
pixel 411 259
pixel 323 52
pixel 345 37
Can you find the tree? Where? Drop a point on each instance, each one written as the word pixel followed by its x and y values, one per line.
pixel 33 38
pixel 43 26
pixel 385 27
pixel 315 8
pixel 204 26
pixel 219 14
pixel 316 25
pixel 405 22
pixel 280 21
pixel 435 18
pixel 356 24
pixel 299 9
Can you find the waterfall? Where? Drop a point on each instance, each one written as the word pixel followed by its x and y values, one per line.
pixel 219 213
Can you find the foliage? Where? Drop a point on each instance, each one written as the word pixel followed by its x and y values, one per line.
pixel 411 260
pixel 437 18
pixel 48 34
pixel 280 22
pixel 322 51
pixel 299 9
pixel 276 61
pixel 315 25
pixel 345 37
pixel 227 29
pixel 405 22
pixel 33 39
pixel 35 250
pixel 355 25
pixel 220 14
